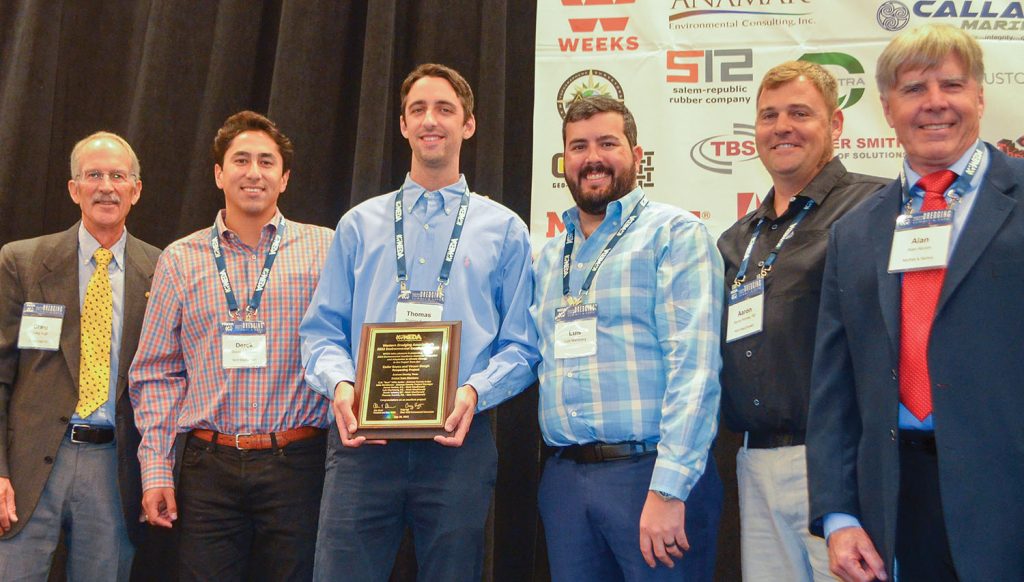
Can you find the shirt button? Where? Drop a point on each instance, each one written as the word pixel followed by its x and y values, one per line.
pixel 569 374
pixel 749 354
pixel 252 258
pixel 422 260
pixel 572 414
pixel 48 460
pixel 254 405
pixel 757 402
pixel 579 265
pixel 893 372
pixel 426 227
pixel 892 433
pixel 775 227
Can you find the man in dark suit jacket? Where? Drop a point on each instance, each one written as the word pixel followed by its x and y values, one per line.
pixel 68 462
pixel 927 483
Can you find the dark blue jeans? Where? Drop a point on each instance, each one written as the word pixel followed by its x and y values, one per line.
pixel 373 492
pixel 249 515
pixel 591 515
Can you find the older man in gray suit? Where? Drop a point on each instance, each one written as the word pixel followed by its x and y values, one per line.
pixel 71 307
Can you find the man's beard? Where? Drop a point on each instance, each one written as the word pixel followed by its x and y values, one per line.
pixel 596 202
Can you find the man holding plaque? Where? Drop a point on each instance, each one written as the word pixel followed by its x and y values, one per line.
pixel 628 307
pixel 915 445
pixel 388 294
pixel 774 257
pixel 71 306
pixel 233 442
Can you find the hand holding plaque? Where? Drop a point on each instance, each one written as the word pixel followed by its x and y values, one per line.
pixel 406 379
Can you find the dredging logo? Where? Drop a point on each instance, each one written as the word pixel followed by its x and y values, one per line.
pixel 701 76
pixel 1009 147
pixel 598 23
pixel 719 153
pixel 644 178
pixel 706 14
pixel 409 337
pixel 850 77
pixel 586 83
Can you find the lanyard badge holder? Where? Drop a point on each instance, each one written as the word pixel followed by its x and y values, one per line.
pixel 746 299
pixel 922 240
pixel 576 323
pixel 415 306
pixel 244 341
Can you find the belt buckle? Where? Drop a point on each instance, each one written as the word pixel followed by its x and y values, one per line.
pixel 238 436
pixel 74 428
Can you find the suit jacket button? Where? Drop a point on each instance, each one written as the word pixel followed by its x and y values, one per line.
pixel 65 419
pixel 48 460
pixel 893 372
pixel 892 433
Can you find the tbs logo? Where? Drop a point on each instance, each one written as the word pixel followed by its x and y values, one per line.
pixel 719 153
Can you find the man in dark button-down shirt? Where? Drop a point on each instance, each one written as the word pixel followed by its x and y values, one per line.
pixel 773 289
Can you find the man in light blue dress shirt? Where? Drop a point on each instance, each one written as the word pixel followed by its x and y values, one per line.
pixel 441 488
pixel 628 309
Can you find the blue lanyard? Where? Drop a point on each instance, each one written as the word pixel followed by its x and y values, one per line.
pixel 962 184
pixel 570 242
pixel 261 283
pixel 449 255
pixel 766 265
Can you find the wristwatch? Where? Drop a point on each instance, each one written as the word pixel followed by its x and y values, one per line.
pixel 665 496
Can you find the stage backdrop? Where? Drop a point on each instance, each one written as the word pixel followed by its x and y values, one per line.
pixel 689 71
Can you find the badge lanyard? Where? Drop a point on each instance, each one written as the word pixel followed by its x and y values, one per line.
pixel 962 184
pixel 766 265
pixel 570 242
pixel 453 243
pixel 222 271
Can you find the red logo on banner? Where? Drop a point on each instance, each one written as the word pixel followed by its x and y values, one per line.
pixel 1010 148
pixel 598 24
pixel 746 202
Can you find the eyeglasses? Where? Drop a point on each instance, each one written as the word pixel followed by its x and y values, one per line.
pixel 117 177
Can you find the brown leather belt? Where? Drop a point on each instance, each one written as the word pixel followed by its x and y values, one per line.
pixel 258 442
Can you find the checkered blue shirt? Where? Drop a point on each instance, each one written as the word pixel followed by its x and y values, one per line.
pixel 177 380
pixel 655 375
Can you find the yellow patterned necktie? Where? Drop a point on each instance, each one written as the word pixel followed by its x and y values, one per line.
pixel 97 321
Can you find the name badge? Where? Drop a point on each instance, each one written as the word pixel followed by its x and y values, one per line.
pixel 243 344
pixel 576 331
pixel 921 241
pixel 746 311
pixel 40 326
pixel 419 306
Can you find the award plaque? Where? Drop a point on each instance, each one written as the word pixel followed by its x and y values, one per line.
pixel 406 378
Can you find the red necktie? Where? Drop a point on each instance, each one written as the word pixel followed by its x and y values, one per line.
pixel 919 298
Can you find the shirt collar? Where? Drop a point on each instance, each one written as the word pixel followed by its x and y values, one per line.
pixel 222 227
pixel 959 167
pixel 817 189
pixel 615 211
pixel 412 192
pixel 87 245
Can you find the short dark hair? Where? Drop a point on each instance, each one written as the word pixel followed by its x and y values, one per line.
pixel 587 107
pixel 457 81
pixel 251 121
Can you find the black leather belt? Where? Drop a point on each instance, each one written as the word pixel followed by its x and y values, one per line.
pixel 602 452
pixel 770 439
pixel 83 433
pixel 918 440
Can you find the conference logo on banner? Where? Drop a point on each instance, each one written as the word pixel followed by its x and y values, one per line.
pixel 723 14
pixel 591 28
pixel 586 83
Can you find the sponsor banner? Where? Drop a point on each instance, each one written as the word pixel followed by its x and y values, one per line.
pixel 689 70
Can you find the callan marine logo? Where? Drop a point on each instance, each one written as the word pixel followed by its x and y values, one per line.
pixel 586 83
pixel 893 15
pixel 719 153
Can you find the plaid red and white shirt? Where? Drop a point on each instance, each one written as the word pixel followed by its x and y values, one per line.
pixel 177 382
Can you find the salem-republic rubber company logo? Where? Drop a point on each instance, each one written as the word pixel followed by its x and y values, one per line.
pixel 713 14
pixel 597 29
pixel 587 83
pixel 849 76
pixel 710 77
pixel 719 153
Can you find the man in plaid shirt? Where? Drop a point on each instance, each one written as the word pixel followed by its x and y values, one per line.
pixel 628 307
pixel 217 382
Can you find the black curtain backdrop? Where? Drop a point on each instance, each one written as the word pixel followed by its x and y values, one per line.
pixel 166 73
